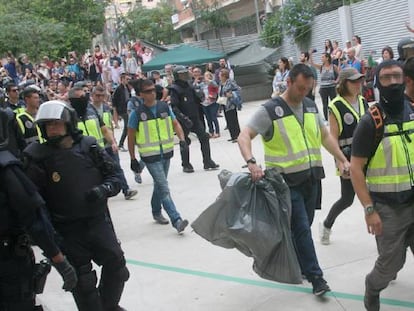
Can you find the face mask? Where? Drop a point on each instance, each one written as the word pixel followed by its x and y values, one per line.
pixel 392 98
pixel 80 104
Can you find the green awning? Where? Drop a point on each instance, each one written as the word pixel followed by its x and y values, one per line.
pixel 183 55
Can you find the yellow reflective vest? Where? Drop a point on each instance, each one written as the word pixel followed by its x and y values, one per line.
pixel 294 148
pixel 347 118
pixel 90 126
pixel 155 135
pixel 29 129
pixel 390 171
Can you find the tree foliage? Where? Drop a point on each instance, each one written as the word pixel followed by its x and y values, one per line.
pixel 294 20
pixel 153 25
pixel 272 33
pixel 49 27
pixel 211 15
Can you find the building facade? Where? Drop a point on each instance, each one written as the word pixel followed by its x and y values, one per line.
pixel 245 17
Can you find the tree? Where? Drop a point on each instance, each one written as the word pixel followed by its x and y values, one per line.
pixel 272 34
pixel 294 19
pixel 49 27
pixel 150 24
pixel 212 17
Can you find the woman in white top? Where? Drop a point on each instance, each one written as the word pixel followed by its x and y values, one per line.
pixel 356 41
pixel 279 81
pixel 131 66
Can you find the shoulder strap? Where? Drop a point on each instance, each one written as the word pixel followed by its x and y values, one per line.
pixel 378 118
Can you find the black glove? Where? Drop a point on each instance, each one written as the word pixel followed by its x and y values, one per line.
pixel 135 166
pixel 98 193
pixel 183 146
pixel 68 274
pixel 187 122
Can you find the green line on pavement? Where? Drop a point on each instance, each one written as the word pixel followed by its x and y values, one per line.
pixel 286 287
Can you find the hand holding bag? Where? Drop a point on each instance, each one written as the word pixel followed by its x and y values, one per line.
pixel 222 100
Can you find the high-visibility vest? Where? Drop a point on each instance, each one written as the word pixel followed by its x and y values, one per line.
pixel 155 135
pixel 90 126
pixel 294 148
pixel 389 172
pixel 30 130
pixel 347 118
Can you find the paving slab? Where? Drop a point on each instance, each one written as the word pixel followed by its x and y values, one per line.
pixel 171 272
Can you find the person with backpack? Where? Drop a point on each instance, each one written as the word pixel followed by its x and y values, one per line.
pixel 345 111
pixel 382 173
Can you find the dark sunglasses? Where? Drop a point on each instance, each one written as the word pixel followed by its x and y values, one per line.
pixel 149 91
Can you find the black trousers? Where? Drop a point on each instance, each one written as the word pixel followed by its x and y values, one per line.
pixel 94 239
pixel 327 93
pixel 232 120
pixel 345 201
pixel 17 291
pixel 198 129
pixel 124 117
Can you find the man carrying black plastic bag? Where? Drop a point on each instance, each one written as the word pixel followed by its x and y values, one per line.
pixel 254 218
pixel 293 132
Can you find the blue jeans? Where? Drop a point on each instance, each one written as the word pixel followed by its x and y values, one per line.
pixel 304 200
pixel 161 196
pixel 118 169
pixel 210 112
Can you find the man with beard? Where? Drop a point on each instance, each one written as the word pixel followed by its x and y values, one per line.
pixel 382 175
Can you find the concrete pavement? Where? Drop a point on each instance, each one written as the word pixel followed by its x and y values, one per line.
pixel 186 273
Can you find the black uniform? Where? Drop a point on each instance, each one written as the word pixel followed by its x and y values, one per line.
pixel 21 212
pixel 184 100
pixel 68 180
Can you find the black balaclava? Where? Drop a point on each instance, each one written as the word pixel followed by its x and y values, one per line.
pixel 391 96
pixel 80 105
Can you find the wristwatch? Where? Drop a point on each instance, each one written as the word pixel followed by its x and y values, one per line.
pixel 252 160
pixel 369 209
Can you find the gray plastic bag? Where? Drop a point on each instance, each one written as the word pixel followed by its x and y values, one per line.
pixel 255 219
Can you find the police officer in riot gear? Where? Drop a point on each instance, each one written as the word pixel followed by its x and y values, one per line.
pixel 22 213
pixel 405 48
pixel 75 177
pixel 185 105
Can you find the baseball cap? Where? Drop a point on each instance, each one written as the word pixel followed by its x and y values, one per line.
pixel 349 74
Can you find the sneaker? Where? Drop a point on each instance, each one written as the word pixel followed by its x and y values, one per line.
pixel 320 286
pixel 160 219
pixel 130 193
pixel 324 234
pixel 180 225
pixel 122 148
pixel 138 178
pixel 188 168
pixel 211 165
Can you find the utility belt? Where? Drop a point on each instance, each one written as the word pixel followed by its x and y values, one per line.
pixel 18 245
pixel 16 251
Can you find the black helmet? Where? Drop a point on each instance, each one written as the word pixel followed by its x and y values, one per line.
pixel 405 48
pixel 56 110
pixel 181 73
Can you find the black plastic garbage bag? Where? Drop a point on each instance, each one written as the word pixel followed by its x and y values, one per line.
pixel 255 219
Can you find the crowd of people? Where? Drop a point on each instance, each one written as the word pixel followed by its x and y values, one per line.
pixel 60 120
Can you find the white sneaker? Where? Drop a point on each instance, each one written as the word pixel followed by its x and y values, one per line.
pixel 324 234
